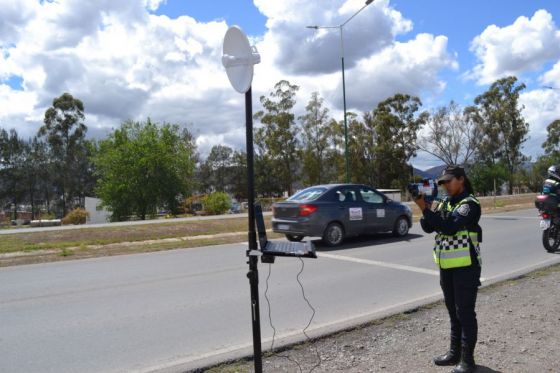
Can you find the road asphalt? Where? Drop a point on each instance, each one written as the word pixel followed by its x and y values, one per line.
pixel 182 309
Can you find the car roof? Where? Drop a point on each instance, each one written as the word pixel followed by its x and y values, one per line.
pixel 330 186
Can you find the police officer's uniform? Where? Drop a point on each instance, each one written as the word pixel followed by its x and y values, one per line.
pixel 551 187
pixel 457 254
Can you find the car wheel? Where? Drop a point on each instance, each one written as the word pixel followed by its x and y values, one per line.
pixel 333 235
pixel 294 237
pixel 400 229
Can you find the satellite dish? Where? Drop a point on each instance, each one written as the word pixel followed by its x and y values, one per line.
pixel 238 59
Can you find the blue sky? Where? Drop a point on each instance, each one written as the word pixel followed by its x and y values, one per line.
pixel 161 58
pixel 236 12
pixel 460 21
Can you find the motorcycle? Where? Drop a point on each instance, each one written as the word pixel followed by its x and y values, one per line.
pixel 550 221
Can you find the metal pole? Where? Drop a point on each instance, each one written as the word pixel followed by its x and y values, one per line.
pixel 345 125
pixel 253 273
pixel 343 81
pixel 344 105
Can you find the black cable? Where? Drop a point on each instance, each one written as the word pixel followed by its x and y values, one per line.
pixel 312 315
pixel 272 326
pixel 269 308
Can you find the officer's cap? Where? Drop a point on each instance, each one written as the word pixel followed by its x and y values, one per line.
pixel 450 172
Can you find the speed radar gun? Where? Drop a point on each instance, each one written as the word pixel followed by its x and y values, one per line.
pixel 427 189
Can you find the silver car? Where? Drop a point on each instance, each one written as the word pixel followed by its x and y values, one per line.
pixel 336 211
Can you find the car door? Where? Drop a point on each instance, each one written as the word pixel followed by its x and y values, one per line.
pixel 376 213
pixel 350 209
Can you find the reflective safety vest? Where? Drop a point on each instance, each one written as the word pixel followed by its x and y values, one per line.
pixel 453 251
pixel 551 187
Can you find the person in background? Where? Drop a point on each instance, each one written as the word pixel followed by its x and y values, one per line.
pixel 552 184
pixel 457 254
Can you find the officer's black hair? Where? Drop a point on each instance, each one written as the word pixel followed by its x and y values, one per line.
pixel 468 185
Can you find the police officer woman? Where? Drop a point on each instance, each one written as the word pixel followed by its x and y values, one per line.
pixel 457 254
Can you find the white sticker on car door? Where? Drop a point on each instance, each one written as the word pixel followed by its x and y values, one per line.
pixel 356 213
pixel 380 213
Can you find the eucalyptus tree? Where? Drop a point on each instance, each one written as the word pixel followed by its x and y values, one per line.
pixel 65 131
pixel 503 129
pixel 551 145
pixel 362 143
pixel 315 137
pixel 397 121
pixel 279 132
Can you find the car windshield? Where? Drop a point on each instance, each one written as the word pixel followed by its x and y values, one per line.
pixel 309 194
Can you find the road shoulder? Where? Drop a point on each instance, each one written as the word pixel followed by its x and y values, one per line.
pixel 518 332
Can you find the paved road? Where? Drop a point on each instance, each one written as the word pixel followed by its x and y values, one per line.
pixel 175 310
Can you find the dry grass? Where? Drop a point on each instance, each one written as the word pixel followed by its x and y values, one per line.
pixel 500 204
pixel 104 236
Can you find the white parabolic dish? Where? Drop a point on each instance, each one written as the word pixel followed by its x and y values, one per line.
pixel 238 58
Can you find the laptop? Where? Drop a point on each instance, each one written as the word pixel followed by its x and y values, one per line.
pixel 281 248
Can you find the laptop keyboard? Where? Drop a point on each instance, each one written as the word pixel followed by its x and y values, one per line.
pixel 289 249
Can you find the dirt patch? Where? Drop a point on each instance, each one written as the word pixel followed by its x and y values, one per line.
pixel 518 333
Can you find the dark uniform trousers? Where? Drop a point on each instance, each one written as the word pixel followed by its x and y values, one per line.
pixel 460 286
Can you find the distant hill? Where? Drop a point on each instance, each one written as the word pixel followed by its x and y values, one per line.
pixel 430 173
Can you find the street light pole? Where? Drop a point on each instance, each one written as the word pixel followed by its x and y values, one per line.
pixel 344 105
pixel 340 28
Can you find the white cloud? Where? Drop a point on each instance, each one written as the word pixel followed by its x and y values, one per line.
pixel 125 63
pixel 307 51
pixel 13 15
pixel 411 67
pixel 512 50
pixel 552 77
pixel 541 107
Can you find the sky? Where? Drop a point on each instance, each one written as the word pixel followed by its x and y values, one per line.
pixel 134 59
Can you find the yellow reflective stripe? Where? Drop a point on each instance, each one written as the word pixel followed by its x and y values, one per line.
pixel 463 261
pixel 469 198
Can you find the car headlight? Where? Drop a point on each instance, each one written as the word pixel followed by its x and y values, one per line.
pixel 407 209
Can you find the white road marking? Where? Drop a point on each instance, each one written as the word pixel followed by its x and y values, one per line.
pixel 509 217
pixel 380 264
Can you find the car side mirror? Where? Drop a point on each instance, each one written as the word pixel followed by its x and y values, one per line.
pixel 388 200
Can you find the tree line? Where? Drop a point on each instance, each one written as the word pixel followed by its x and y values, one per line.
pixel 143 167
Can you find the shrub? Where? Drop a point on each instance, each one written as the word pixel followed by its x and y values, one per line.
pixel 216 203
pixel 47 216
pixel 76 216
pixel 193 204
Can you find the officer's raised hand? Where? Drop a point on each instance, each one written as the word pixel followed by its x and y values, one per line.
pixel 421 202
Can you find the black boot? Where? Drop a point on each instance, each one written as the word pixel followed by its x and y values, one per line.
pixel 466 365
pixel 451 357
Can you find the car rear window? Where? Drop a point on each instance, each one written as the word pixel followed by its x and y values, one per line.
pixel 309 194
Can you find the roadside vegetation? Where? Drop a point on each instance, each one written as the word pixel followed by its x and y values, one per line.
pixel 143 169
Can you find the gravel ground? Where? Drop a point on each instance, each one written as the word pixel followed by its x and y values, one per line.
pixel 519 331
